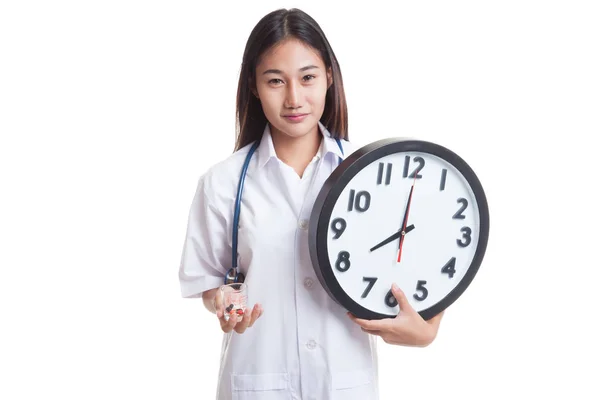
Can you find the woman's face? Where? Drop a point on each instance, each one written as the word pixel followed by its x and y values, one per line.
pixel 291 83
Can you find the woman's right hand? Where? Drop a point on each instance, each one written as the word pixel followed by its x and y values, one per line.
pixel 233 324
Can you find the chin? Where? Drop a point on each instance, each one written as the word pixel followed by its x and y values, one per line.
pixel 296 130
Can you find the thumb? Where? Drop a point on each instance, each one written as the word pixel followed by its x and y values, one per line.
pixel 402 300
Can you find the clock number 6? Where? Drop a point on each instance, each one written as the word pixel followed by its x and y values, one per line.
pixel 390 300
pixel 343 262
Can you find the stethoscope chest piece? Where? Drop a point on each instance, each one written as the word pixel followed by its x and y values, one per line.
pixel 234 277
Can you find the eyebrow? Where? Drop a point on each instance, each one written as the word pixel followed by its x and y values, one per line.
pixel 278 71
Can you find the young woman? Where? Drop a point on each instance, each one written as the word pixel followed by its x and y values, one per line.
pixel 295 342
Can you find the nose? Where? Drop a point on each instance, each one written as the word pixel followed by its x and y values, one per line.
pixel 293 95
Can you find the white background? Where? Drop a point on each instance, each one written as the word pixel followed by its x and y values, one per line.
pixel 107 109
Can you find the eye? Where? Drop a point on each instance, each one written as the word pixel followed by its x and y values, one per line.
pixel 307 78
pixel 275 81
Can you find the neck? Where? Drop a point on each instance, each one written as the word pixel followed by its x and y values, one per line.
pixel 297 152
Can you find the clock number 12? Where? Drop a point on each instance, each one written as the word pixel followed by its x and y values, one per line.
pixel 415 173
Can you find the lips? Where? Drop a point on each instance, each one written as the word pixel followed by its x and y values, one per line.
pixel 295 117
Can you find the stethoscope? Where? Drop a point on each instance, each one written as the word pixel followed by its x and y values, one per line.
pixel 233 276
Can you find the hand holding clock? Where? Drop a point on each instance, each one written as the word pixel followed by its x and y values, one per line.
pixel 408 328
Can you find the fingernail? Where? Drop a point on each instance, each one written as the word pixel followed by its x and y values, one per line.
pixel 394 286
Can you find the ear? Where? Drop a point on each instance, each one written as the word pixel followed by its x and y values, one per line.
pixel 329 77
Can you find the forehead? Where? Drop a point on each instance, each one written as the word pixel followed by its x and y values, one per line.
pixel 290 54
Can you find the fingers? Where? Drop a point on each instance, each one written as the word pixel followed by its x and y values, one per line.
pixel 218 302
pixel 401 298
pixel 256 313
pixel 227 325
pixel 369 325
pixel 239 326
pixel 372 332
pixel 249 318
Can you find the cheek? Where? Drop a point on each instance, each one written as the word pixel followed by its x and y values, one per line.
pixel 270 102
pixel 317 96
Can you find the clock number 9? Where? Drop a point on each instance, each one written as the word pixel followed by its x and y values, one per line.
pixel 343 262
pixel 338 226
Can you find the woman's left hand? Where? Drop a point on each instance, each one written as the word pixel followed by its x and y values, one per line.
pixel 408 328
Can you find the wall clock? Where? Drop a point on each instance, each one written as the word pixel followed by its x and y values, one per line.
pixel 399 210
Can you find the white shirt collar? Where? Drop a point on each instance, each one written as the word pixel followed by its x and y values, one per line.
pixel 266 149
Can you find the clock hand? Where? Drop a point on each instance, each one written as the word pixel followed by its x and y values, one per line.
pixel 405 219
pixel 393 237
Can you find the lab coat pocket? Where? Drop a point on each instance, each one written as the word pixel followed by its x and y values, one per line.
pixel 352 385
pixel 261 387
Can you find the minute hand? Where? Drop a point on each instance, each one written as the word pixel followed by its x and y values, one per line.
pixel 393 237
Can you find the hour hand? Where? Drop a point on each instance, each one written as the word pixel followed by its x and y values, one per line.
pixel 393 237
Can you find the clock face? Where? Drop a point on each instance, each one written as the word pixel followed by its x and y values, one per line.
pixel 406 212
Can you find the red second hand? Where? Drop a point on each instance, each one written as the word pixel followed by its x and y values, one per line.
pixel 406 218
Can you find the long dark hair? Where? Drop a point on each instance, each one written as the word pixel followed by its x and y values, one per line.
pixel 270 30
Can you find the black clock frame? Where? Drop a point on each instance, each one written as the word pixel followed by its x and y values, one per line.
pixel 336 183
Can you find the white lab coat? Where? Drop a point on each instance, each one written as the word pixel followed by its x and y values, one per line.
pixel 304 346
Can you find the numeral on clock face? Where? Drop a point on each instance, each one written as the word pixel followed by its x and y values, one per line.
pixel 390 300
pixel 338 226
pixel 421 288
pixel 343 262
pixel 415 173
pixel 443 179
pixel 459 214
pixel 361 200
pixel 449 268
pixel 371 283
pixel 466 231
pixel 388 173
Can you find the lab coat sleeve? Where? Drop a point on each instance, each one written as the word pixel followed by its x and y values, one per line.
pixel 206 250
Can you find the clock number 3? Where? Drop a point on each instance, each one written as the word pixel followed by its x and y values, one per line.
pixel 466 231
